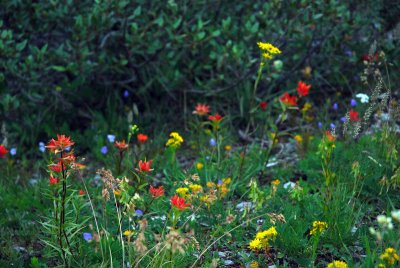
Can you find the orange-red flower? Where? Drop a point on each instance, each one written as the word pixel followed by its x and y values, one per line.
pixel 81 192
pixel 142 138
pixel 215 117
pixel 263 105
pixel 201 109
pixel 329 136
pixel 303 89
pixel 179 202
pixel 56 167
pixel 68 159
pixel 288 99
pixel 121 145
pixel 60 144
pixel 3 151
pixel 144 166
pixel 156 192
pixel 353 115
pixel 53 180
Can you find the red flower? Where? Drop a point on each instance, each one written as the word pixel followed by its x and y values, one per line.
pixel 142 138
pixel 121 145
pixel 289 100
pixel 56 167
pixel 215 117
pixel 156 192
pixel 144 166
pixel 60 144
pixel 201 109
pixel 178 202
pixel 367 57
pixel 263 105
pixel 68 159
pixel 81 192
pixel 3 151
pixel 329 136
pixel 353 115
pixel 303 89
pixel 53 180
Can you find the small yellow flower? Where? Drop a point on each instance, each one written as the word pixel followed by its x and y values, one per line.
pixel 182 191
pixel 227 181
pixel 274 138
pixel 276 182
pixel 268 51
pixel 337 264
pixel 254 264
pixel 298 138
pixel 228 148
pixel 255 244
pixel 318 227
pixel 195 188
pixel 199 166
pixel 128 233
pixel 390 256
pixel 210 184
pixel 307 71
pixel 175 141
pixel 117 192
pixel 306 107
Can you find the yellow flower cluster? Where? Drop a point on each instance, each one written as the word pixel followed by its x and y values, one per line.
pixel 175 141
pixel 390 256
pixel 182 191
pixel 199 166
pixel 195 188
pixel 276 182
pixel 268 50
pixel 263 238
pixel 298 138
pixel 318 227
pixel 337 264
pixel 306 107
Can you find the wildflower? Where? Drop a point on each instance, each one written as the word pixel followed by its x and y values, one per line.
pixel 199 166
pixel 88 237
pixel 156 192
pixel 288 100
pixel 254 264
pixel 353 103
pixel 3 151
pixel 81 192
pixel 320 125
pixel 396 215
pixel 142 138
pixel 212 142
pixel 263 105
pixel 276 182
pixel 298 138
pixel 201 109
pixel 335 106
pixel 178 202
pixel 53 180
pixel 363 97
pixel 174 241
pixel 128 233
pixel 368 57
pixel 175 141
pixel 330 136
pixel 318 227
pixel 144 166
pixel 385 222
pixel 289 185
pixel 332 126
pixel 111 138
pixel 353 115
pixel 121 145
pixel 117 192
pixel 337 264
pixel 104 150
pixel 228 148
pixel 390 256
pixel 139 212
pixel 60 144
pixel 13 151
pixel 343 119
pixel 56 167
pixel 182 191
pixel 268 50
pixel 42 147
pixel 126 93
pixel 255 244
pixel 307 106
pixel 215 117
pixel 303 89
pixel 195 188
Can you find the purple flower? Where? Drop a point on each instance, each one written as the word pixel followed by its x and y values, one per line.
pixel 212 142
pixel 13 151
pixel 353 103
pixel 126 94
pixel 220 182
pixel 139 212
pixel 104 150
pixel 332 125
pixel 87 236
pixel 207 158
pixel 335 106
pixel 320 125
pixel 67 149
pixel 343 119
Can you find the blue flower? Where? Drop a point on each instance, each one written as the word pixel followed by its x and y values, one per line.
pixel 332 125
pixel 42 147
pixel 212 142
pixel 353 103
pixel 139 212
pixel 320 125
pixel 104 150
pixel 335 106
pixel 343 119
pixel 208 158
pixel 67 149
pixel 126 93
pixel 111 138
pixel 220 182
pixel 87 236
pixel 13 151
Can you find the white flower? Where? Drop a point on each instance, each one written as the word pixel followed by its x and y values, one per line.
pixel 363 97
pixel 289 185
pixel 396 215
pixel 111 138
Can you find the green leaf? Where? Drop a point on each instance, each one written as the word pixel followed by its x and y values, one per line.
pixel 21 46
pixel 58 68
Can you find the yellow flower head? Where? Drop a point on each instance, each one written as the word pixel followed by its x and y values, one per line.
pixel 298 138
pixel 182 191
pixel 175 140
pixel 195 188
pixel 228 148
pixel 226 181
pixel 318 227
pixel 199 166
pixel 276 182
pixel 210 184
pixel 254 264
pixel 306 107
pixel 117 192
pixel 255 244
pixel 267 47
pixel 128 233
pixel 337 264
pixel 390 256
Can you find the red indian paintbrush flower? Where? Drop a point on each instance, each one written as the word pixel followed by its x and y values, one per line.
pixel 68 159
pixel 263 105
pixel 53 180
pixel 142 138
pixel 215 117
pixel 178 202
pixel 60 144
pixel 303 89
pixel 288 99
pixel 201 109
pixel 144 166
pixel 353 115
pixel 121 145
pixel 156 192
pixel 56 167
pixel 81 192
pixel 3 151
pixel 329 136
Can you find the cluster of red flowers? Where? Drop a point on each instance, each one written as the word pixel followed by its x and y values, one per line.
pixel 121 145
pixel 144 166
pixel 289 100
pixel 156 192
pixel 3 151
pixel 179 202
pixel 353 115
pixel 302 90
pixel 201 109
pixel 142 138
pixel 215 117
pixel 368 57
